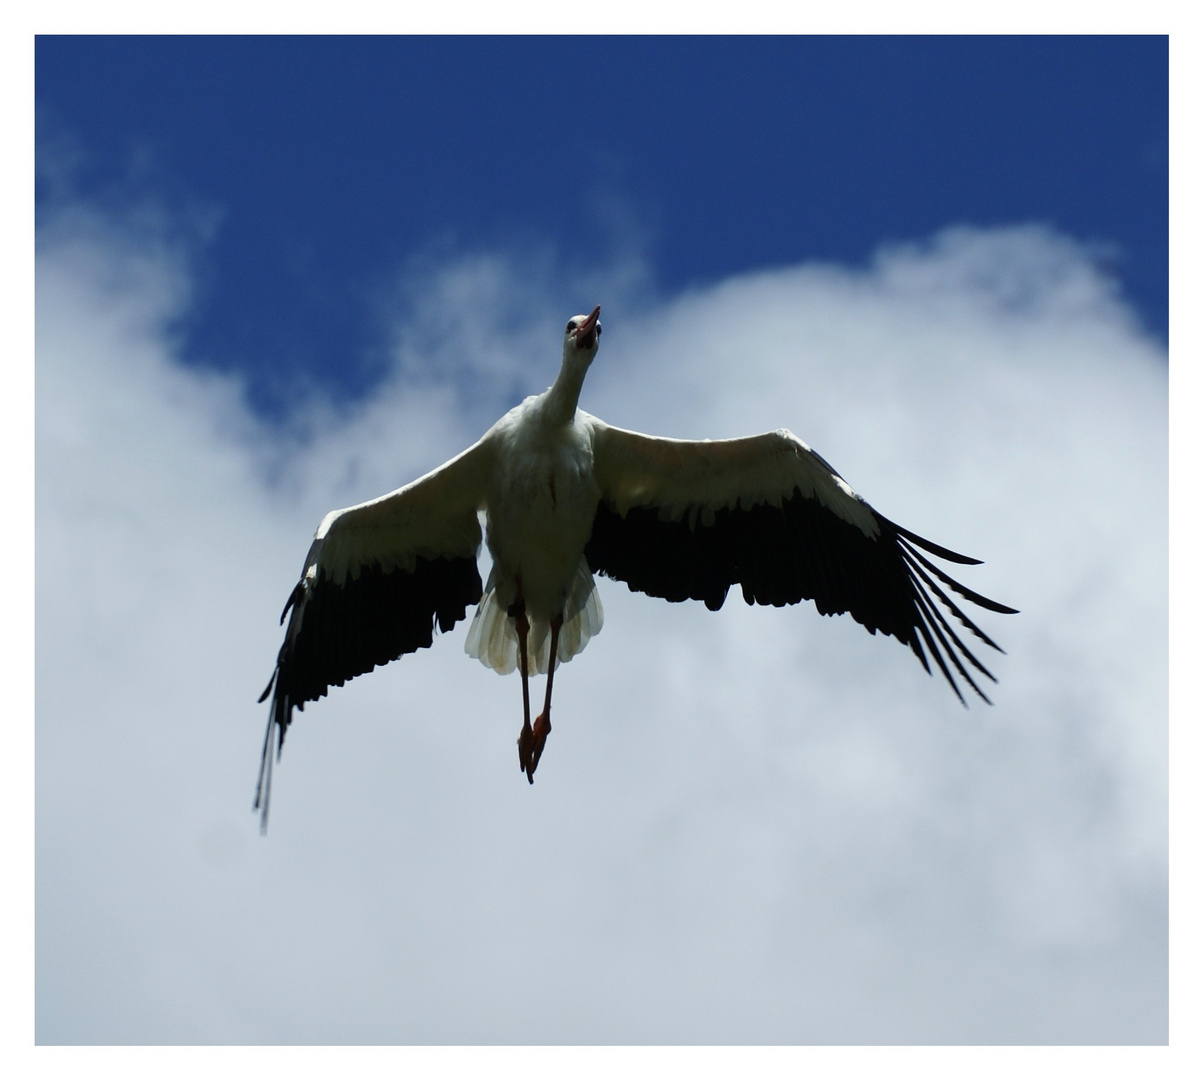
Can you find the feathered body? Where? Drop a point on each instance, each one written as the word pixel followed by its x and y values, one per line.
pixel 539 508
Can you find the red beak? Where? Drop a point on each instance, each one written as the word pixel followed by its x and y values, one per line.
pixel 585 330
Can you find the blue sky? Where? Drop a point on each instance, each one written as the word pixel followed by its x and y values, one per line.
pixel 276 277
pixel 317 167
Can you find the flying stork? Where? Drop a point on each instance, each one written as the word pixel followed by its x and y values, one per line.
pixel 565 496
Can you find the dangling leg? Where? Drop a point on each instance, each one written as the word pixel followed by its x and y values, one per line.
pixel 517 612
pixel 543 721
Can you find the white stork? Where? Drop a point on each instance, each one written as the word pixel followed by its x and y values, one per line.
pixel 565 495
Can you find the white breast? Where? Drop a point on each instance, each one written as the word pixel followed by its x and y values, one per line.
pixel 540 511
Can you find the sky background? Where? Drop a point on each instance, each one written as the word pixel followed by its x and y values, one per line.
pixel 279 276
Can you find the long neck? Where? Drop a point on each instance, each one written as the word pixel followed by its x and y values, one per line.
pixel 559 406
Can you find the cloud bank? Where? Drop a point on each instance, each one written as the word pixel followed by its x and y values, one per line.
pixel 756 826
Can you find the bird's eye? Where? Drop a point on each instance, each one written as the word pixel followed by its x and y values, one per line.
pixel 597 327
pixel 571 326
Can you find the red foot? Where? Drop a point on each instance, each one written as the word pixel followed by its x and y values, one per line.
pixel 540 733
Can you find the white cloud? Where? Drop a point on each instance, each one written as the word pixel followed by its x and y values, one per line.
pixel 756 826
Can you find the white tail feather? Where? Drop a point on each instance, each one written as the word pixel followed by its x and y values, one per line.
pixel 493 640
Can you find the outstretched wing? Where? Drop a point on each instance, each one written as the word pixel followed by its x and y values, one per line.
pixel 377 579
pixel 687 520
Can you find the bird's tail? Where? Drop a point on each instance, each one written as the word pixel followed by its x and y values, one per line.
pixel 493 640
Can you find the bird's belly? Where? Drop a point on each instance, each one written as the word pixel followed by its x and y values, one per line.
pixel 537 536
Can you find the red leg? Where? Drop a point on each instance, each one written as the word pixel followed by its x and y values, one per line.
pixel 517 611
pixel 543 721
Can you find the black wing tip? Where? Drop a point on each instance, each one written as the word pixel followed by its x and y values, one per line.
pixel 800 550
pixel 931 622
pixel 294 597
pixel 263 788
pixel 963 590
pixel 930 546
pixel 320 651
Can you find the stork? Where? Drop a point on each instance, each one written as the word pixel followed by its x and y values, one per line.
pixel 565 496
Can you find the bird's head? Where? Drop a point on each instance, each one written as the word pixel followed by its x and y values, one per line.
pixel 582 335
